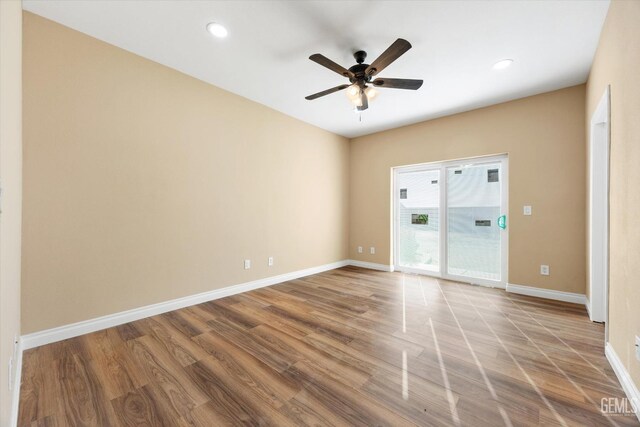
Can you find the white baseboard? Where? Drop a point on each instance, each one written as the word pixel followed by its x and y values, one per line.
pixel 587 304
pixel 15 391
pixel 60 333
pixel 547 293
pixel 371 265
pixel 630 389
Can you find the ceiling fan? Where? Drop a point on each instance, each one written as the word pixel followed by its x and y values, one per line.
pixel 361 87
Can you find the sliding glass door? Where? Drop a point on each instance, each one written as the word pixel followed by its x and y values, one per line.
pixel 474 209
pixel 450 220
pixel 419 219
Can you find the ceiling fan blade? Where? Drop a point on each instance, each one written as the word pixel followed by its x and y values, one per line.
pixel 326 62
pixel 326 92
pixel 397 83
pixel 392 53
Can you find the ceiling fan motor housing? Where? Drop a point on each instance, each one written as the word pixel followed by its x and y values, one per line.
pixel 360 77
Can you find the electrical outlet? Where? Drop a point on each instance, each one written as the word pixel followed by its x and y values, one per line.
pixel 372 250
pixel 637 347
pixel 359 249
pixel 247 264
pixel 526 210
pixel 544 270
pixel 270 262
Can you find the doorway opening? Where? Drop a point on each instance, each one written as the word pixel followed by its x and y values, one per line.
pixel 599 212
pixel 450 220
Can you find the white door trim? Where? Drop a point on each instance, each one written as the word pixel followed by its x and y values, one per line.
pixel 442 166
pixel 599 211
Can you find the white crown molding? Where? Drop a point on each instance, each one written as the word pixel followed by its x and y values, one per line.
pixel 629 387
pixel 547 293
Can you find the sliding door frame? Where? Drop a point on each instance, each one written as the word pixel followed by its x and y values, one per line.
pixel 503 159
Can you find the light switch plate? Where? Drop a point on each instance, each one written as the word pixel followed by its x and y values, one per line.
pixel 247 264
pixel 527 210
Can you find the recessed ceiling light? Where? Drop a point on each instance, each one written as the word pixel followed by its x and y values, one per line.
pixel 501 65
pixel 217 30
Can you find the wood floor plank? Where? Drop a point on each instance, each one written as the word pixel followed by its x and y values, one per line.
pixel 82 400
pixel 50 421
pixel 37 400
pixel 307 414
pixel 183 350
pixel 267 383
pixel 260 404
pixel 139 408
pixel 224 405
pixel 278 361
pixel 165 372
pixel 115 374
pixel 351 405
pixel 344 347
pixel 301 350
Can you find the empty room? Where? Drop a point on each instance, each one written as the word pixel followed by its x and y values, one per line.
pixel 319 213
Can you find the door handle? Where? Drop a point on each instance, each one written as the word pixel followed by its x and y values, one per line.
pixel 502 222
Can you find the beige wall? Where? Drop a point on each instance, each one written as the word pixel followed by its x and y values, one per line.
pixel 616 63
pixel 544 138
pixel 11 178
pixel 142 184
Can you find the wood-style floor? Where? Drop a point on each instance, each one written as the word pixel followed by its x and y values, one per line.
pixel 346 347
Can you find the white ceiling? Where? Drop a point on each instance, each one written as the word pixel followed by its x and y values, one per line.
pixel 265 56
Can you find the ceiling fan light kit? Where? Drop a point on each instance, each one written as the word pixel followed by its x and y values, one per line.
pixel 358 97
pixel 361 89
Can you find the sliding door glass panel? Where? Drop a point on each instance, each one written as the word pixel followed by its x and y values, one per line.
pixel 419 219
pixel 473 209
